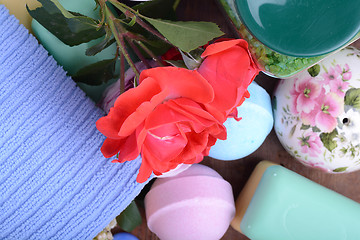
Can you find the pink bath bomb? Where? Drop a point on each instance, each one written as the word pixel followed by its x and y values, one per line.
pixel 195 204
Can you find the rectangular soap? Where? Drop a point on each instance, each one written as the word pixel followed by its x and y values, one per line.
pixel 288 206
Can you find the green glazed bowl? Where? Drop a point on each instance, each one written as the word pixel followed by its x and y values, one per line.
pixel 301 28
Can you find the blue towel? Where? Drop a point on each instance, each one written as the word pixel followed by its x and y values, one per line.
pixel 54 181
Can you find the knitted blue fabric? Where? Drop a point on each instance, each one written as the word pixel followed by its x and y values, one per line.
pixel 54 181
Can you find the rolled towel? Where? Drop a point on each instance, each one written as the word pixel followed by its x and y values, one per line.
pixel 54 181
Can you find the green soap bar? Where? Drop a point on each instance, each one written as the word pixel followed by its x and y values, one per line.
pixel 287 206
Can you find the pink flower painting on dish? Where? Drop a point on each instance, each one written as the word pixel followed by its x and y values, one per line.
pixel 324 115
pixel 339 87
pixel 311 143
pixel 305 94
pixel 318 165
pixel 346 73
pixel 317 113
pixel 332 74
pixel 330 109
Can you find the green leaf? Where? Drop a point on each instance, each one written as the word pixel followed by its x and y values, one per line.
pixel 340 169
pixel 156 46
pixel 191 61
pixel 315 129
pixel 328 140
pixel 186 35
pixel 352 98
pixel 97 73
pixel 304 127
pixel 154 9
pixel 130 218
pixel 157 9
pixel 178 64
pixel 99 47
pixel 314 70
pixel 71 28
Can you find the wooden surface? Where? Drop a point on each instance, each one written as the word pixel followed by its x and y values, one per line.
pixel 237 172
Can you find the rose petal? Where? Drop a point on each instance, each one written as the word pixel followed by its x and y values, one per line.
pixel 229 73
pixel 197 142
pixel 180 110
pixel 222 46
pixel 110 124
pixel 181 82
pixel 129 150
pixel 144 171
pixel 125 105
pixel 164 148
pixel 141 113
pixel 111 147
pixel 155 163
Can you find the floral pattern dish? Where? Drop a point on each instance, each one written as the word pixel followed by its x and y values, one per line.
pixel 317 113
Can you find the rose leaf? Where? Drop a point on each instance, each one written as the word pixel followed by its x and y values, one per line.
pixel 71 28
pixel 130 218
pixel 96 73
pixel 178 64
pixel 158 8
pixel 186 35
pixel 91 51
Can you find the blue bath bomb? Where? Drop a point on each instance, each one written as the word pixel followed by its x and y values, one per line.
pixel 246 136
pixel 124 236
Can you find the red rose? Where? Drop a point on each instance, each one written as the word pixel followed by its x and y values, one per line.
pixel 175 115
pixel 229 68
pixel 171 54
pixel 164 120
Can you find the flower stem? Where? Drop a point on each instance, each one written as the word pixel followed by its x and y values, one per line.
pixel 102 14
pixel 115 28
pixel 122 73
pixel 131 13
pixel 137 52
pixel 151 54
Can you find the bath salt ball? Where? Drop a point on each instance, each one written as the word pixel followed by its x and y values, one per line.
pixel 195 204
pixel 247 135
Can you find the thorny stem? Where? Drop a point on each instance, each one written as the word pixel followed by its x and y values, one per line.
pixel 137 52
pixel 122 73
pixel 151 54
pixel 115 28
pixel 129 12
pixel 122 69
pixel 102 14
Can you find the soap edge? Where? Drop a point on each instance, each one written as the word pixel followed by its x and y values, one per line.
pixel 247 193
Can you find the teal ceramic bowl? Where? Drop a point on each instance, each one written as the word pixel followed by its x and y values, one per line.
pixel 302 28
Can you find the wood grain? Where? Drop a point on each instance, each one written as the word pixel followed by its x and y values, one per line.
pixel 237 172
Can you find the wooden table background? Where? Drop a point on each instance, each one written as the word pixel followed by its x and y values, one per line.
pixel 237 172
